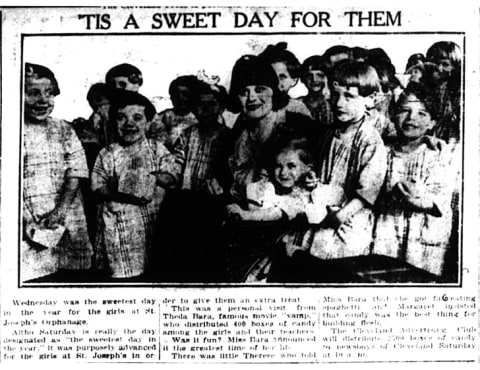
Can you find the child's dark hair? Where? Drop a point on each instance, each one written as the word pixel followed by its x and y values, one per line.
pixel 279 54
pixel 337 49
pixel 423 93
pixel 122 98
pixel 445 48
pixel 314 63
pixel 133 74
pixel 415 61
pixel 386 73
pixel 200 87
pixel 96 90
pixel 357 74
pixel 186 80
pixel 38 71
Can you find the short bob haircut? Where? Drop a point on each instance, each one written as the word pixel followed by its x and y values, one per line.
pixel 423 93
pixel 122 98
pixel 357 74
pixel 187 80
pixel 314 63
pixel 250 70
pixel 133 74
pixel 38 71
pixel 202 88
pixel 445 49
pixel 279 54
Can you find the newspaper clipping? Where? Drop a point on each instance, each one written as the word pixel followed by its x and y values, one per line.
pixel 225 185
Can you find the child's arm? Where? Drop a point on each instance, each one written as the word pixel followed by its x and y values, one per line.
pixel 256 214
pixel 69 191
pixel 337 216
pixel 108 195
pixel 418 201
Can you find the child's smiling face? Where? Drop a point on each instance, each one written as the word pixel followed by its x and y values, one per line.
pixel 131 123
pixel 256 101
pixel 285 81
pixel 39 98
pixel 349 106
pixel 412 119
pixel 289 168
pixel 315 80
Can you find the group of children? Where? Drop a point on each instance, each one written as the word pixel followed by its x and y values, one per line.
pixel 361 165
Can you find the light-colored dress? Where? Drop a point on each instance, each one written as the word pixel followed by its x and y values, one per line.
pixel 418 238
pixel 125 231
pixel 356 162
pixel 52 152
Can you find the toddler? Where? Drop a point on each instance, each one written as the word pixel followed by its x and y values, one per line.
pixel 129 179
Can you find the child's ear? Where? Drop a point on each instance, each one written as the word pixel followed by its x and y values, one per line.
pixel 432 124
pixel 295 82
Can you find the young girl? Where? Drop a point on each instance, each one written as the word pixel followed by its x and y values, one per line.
pixel 352 157
pixel 128 178
pixel 203 147
pixel 413 214
pixel 54 161
pixel 314 77
pixel 169 124
pixel 446 55
pixel 287 67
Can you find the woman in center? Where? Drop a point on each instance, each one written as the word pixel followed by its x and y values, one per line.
pixel 255 94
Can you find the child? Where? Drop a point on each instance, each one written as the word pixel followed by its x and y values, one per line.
pixel 125 77
pixel 170 123
pixel 283 193
pixel 55 229
pixel 127 179
pixel 353 158
pixel 415 67
pixel 314 77
pixel 203 147
pixel 446 55
pixel 413 214
pixel 287 67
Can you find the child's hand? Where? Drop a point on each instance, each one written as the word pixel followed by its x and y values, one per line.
pixel 235 212
pixel 164 179
pixel 409 192
pixel 214 187
pixel 54 218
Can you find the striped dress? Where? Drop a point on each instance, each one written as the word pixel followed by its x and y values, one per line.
pixel 418 238
pixel 125 231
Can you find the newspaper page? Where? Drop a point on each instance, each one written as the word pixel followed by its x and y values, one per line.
pixel 222 185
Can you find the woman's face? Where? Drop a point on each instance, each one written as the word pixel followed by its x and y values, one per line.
pixel 39 98
pixel 131 123
pixel 256 101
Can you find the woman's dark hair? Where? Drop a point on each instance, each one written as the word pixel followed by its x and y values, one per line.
pixel 251 70
pixel 279 54
pixel 121 98
pixel 133 74
pixel 39 71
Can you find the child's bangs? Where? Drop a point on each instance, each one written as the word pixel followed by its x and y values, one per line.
pixel 359 75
